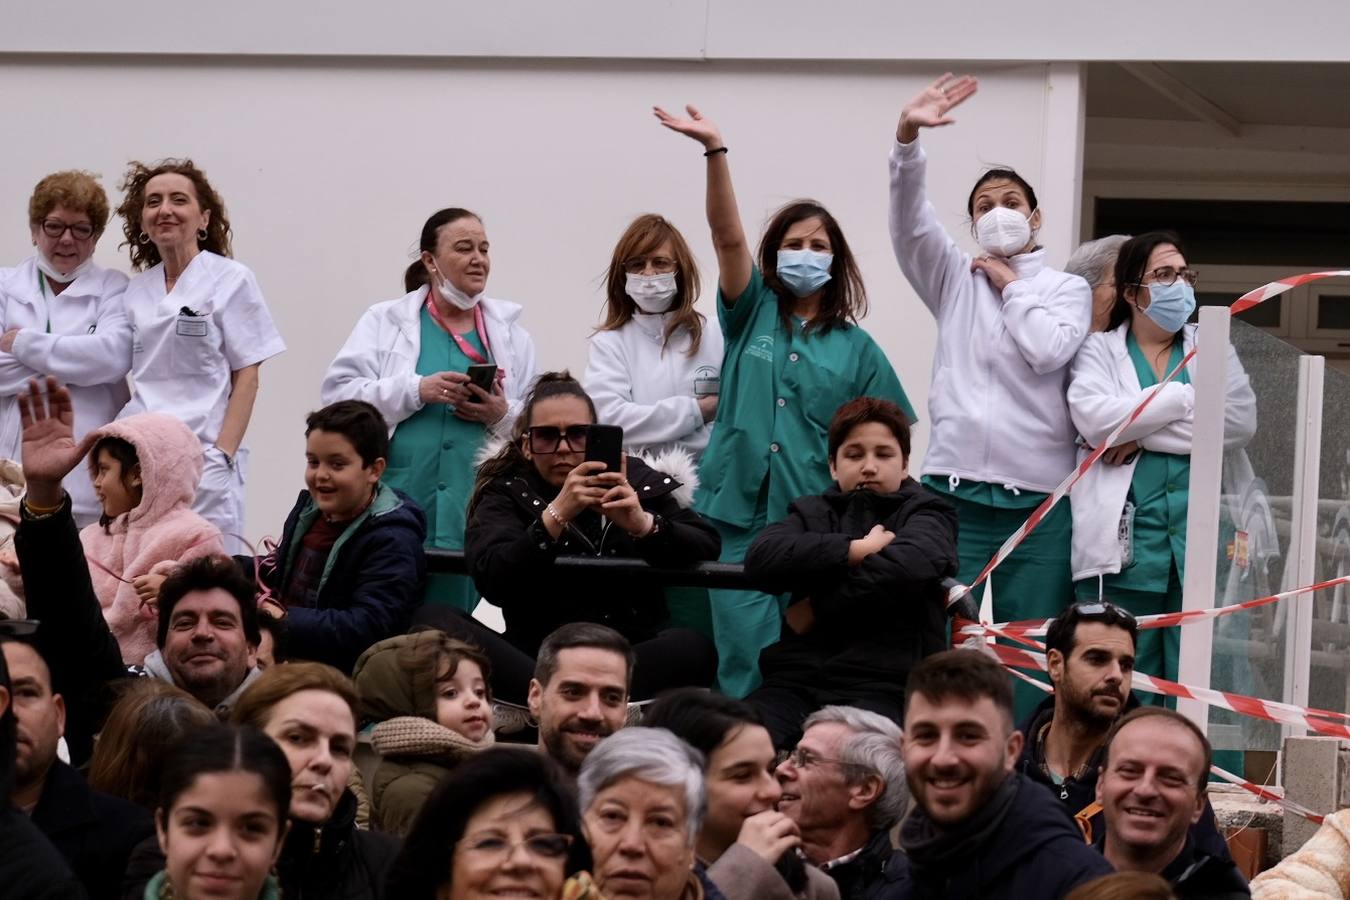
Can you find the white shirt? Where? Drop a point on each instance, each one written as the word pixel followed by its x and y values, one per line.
pixel 378 363
pixel 1002 363
pixel 80 336
pixel 650 391
pixel 187 343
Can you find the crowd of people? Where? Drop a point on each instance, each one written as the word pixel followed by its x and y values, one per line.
pixel 176 721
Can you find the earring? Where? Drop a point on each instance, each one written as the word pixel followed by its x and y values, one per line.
pixel 142 238
pixel 201 234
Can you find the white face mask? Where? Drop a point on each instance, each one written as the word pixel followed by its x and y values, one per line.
pixel 651 293
pixel 46 268
pixel 454 296
pixel 1003 232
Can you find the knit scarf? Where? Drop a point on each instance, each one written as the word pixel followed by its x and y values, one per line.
pixel 932 849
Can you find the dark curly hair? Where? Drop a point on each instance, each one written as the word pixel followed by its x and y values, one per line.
pixel 144 253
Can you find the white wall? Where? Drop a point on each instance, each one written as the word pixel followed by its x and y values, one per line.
pixel 329 169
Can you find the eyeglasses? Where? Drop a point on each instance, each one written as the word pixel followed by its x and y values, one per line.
pixel 804 759
pixel 1104 610
pixel 546 438
pixel 638 264
pixel 540 846
pixel 80 231
pixel 1167 276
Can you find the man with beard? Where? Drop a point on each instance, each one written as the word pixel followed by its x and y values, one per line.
pixel 1152 787
pixel 94 832
pixel 1089 651
pixel 208 617
pixel 981 829
pixel 579 693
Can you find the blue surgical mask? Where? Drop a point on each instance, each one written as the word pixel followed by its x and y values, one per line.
pixel 1170 305
pixel 804 271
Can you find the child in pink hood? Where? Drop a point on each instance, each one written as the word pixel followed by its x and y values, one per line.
pixel 145 470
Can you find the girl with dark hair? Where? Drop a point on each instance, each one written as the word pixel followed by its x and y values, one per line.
pixel 502 822
pixel 538 499
pixel 653 368
pixel 794 354
pixel 202 329
pixel 410 359
pixel 1008 327
pixel 1129 510
pixel 745 846
pixel 221 817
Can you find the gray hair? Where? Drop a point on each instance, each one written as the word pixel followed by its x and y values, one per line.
pixel 1095 260
pixel 872 752
pixel 654 755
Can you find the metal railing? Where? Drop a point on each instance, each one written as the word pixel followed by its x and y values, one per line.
pixel 730 576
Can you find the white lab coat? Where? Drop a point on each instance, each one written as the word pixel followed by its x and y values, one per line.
pixel 81 336
pixel 186 344
pixel 996 402
pixel 649 391
pixel 1103 390
pixel 378 363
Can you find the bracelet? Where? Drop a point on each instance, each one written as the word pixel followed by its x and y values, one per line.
pixel 42 512
pixel 554 513
pixel 652 527
pixel 721 149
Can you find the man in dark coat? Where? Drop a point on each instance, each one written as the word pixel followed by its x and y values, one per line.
pixel 863 562
pixel 93 831
pixel 1090 657
pixel 1152 790
pixel 981 830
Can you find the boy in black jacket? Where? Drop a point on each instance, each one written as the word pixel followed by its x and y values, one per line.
pixel 862 562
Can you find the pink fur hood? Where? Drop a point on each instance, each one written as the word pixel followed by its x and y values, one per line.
pixel 162 528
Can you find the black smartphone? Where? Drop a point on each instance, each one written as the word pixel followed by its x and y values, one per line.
pixel 482 375
pixel 604 443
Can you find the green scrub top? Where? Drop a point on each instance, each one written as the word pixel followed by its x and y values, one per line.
pixel 780 389
pixel 432 451
pixel 1159 491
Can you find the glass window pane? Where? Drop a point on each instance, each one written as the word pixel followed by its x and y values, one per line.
pixel 1333 311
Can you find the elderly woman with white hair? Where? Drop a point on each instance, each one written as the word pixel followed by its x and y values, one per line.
pixel 1095 263
pixel 642 799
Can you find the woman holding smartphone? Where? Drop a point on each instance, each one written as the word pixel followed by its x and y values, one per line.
pixel 446 366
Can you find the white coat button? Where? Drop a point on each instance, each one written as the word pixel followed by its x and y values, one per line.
pixel 782 402
pixel 793 356
pixel 774 447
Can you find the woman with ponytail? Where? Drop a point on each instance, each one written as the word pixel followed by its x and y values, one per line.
pixel 538 499
pixel 410 358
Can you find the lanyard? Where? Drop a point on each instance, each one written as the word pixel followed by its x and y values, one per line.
pixel 465 347
pixel 42 286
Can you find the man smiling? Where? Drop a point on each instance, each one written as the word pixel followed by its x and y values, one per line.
pixel 981 830
pixel 579 693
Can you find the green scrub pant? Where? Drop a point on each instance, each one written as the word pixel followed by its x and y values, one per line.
pixel 1034 582
pixel 1157 649
pixel 744 622
pixel 444 589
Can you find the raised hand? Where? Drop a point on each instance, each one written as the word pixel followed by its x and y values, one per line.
pixel 49 448
pixel 703 130
pixel 769 835
pixel 930 107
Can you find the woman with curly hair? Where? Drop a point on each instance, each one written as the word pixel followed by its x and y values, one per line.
pixel 200 326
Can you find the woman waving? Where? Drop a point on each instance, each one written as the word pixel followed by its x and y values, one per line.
pixel 794 354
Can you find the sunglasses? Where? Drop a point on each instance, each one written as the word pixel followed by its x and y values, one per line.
pixel 545 439
pixel 1103 610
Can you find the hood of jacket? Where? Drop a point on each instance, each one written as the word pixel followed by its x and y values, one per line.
pixel 170 457
pixel 155 667
pixel 414 736
pixel 389 687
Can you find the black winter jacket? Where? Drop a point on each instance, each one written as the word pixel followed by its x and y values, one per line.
pixel 1196 875
pixel 874 621
pixel 370 586
pixel 510 554
pixel 1036 852
pixel 1078 794
pixel 333 862
pixel 873 874
pixel 30 867
pixel 94 832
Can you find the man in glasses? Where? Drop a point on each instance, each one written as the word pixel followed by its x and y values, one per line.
pixel 1090 649
pixel 844 786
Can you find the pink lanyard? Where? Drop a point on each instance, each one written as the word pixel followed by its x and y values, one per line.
pixel 465 347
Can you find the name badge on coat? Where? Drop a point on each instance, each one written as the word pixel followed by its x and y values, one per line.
pixel 191 326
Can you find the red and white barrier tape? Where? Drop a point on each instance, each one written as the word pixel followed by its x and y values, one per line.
pixel 1241 304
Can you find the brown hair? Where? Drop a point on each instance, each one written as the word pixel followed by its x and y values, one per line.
pixel 416 275
pixel 509 458
pixel 275 684
pixel 843 298
pixel 643 236
pixel 77 191
pixel 862 410
pixel 1150 712
pixel 965 674
pixel 144 253
pixel 147 721
pixel 1124 886
pixel 426 655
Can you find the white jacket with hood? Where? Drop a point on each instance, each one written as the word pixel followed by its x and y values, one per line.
pixel 1002 362
pixel 378 363
pixel 1103 390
